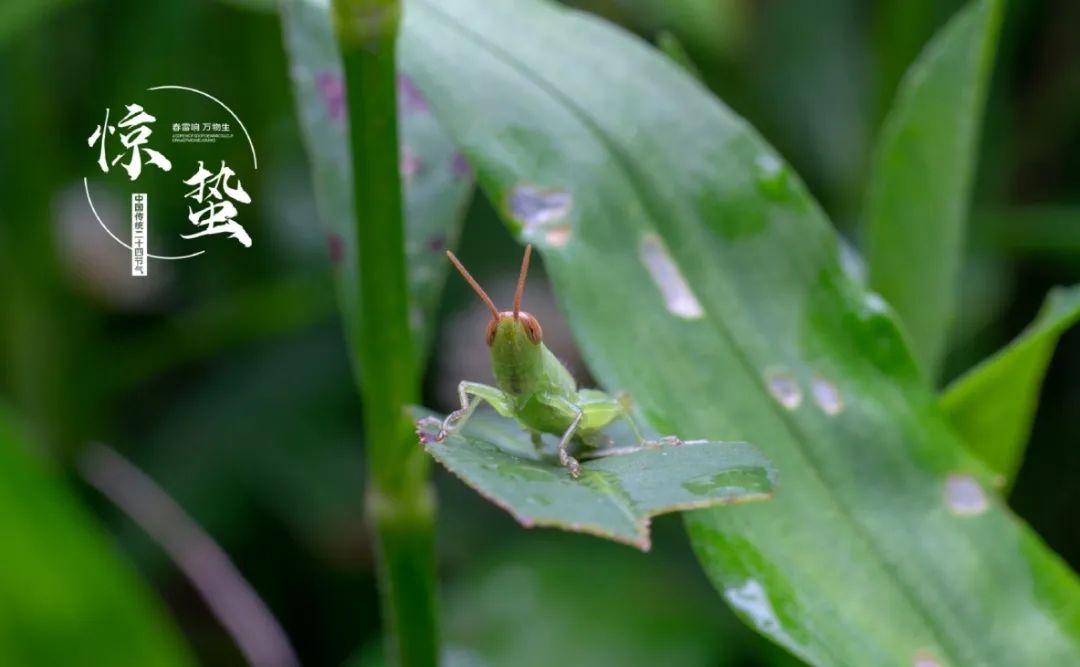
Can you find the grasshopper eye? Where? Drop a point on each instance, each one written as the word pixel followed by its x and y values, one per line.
pixel 489 335
pixel 532 328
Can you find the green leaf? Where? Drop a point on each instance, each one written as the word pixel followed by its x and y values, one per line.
pixel 526 606
pixel 993 405
pixel 918 194
pixel 437 180
pixel 698 275
pixel 615 496
pixel 65 597
pixel 19 16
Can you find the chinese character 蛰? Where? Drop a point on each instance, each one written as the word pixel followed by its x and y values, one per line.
pixel 218 216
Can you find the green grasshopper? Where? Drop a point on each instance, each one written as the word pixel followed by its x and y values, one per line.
pixel 534 387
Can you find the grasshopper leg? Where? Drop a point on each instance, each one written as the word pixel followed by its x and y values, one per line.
pixel 576 414
pixel 602 409
pixel 481 392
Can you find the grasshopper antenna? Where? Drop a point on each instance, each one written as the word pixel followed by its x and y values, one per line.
pixel 521 280
pixel 475 285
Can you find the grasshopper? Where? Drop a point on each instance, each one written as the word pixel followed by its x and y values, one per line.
pixel 534 387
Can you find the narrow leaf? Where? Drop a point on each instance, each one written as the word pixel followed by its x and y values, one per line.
pixel 65 596
pixel 437 180
pixel 993 404
pixel 615 496
pixel 921 178
pixel 698 275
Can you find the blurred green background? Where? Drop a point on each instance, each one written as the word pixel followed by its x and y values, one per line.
pixel 227 382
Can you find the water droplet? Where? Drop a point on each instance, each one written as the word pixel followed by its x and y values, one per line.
pixel 532 206
pixel 924 659
pixel 784 389
pixel 771 175
pixel 874 305
pixel 965 496
pixel 852 262
pixel 678 297
pixel 752 600
pixel 827 396
pixel 542 214
pixel 740 479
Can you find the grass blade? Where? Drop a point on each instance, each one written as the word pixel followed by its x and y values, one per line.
pixel 918 194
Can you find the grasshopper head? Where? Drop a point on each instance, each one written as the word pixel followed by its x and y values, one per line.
pixel 510 330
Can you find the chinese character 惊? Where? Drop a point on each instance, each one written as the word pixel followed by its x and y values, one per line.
pixel 133 141
pixel 217 217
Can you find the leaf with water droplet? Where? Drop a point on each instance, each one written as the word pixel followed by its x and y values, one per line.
pixel 615 496
pixel 861 518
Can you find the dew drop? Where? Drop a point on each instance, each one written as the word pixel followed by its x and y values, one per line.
pixel 542 214
pixel 827 396
pixel 965 496
pixel 752 600
pixel 532 206
pixel 784 389
pixel 771 175
pixel 678 297
pixel 874 305
pixel 852 262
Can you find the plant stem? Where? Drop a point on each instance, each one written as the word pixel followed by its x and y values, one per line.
pixel 400 502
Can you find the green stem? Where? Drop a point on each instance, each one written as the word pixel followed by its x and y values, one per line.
pixel 400 501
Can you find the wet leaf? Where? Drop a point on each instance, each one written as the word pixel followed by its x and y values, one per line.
pixel 615 496
pixel 437 180
pixel 66 598
pixel 698 275
pixel 993 404
pixel 918 194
